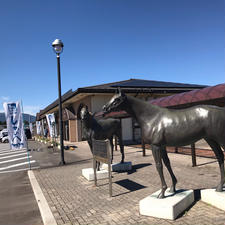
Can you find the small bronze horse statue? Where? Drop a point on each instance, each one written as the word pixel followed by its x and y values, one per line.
pixel 163 127
pixel 100 130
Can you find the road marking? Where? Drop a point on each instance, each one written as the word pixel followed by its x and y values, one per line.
pixel 46 213
pixel 11 152
pixel 12 160
pixel 10 171
pixel 11 156
pixel 3 150
pixel 16 165
pixel 8 149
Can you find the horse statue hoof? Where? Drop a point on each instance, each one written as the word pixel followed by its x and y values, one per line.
pixel 219 188
pixel 161 195
pixel 172 190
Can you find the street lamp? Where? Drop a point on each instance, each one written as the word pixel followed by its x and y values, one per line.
pixel 58 48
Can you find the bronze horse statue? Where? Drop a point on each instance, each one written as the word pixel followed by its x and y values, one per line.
pixel 101 129
pixel 163 127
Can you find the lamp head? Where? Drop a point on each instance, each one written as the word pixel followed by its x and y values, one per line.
pixel 57 46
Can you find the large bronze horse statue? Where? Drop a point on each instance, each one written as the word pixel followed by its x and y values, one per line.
pixel 163 127
pixel 101 129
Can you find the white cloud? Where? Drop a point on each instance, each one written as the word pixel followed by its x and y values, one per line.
pixel 30 109
pixel 4 98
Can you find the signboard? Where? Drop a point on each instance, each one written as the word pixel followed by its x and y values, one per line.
pixel 101 150
pixel 51 124
pixel 101 153
pixel 14 121
pixel 38 127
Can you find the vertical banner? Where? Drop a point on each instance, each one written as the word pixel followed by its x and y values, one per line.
pixel 31 128
pixel 51 124
pixel 38 127
pixel 42 128
pixel 14 121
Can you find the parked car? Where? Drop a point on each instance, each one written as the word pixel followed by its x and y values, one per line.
pixel 5 139
pixel 3 133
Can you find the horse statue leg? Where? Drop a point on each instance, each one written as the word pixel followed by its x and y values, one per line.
pixel 119 137
pixel 157 154
pixel 98 165
pixel 111 144
pixel 168 166
pixel 220 158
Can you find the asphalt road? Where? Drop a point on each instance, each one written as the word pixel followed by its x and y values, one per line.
pixel 18 205
pixel 15 160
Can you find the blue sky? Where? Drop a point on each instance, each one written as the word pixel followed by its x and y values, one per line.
pixel 107 41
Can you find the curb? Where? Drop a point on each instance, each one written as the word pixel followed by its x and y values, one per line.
pixel 46 213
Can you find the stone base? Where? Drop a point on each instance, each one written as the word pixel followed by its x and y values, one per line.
pixel 167 208
pixel 214 198
pixel 118 167
pixel 88 173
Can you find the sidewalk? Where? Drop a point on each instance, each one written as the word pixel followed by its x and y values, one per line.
pixel 74 200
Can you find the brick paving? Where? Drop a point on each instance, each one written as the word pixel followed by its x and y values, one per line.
pixel 74 200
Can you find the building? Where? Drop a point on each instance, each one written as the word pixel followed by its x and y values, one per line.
pixel 96 96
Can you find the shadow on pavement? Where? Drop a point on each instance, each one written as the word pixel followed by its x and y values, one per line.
pixel 202 164
pixel 129 185
pixel 197 197
pixel 137 167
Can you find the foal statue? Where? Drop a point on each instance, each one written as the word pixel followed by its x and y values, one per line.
pixel 163 127
pixel 100 130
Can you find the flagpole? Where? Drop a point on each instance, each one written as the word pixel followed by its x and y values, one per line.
pixel 28 156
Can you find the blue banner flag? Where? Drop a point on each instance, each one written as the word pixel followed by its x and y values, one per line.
pixel 14 121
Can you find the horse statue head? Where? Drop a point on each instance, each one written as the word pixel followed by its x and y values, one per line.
pixel 116 103
pixel 84 114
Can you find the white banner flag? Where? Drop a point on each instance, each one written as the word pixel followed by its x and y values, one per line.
pixel 38 127
pixel 51 124
pixel 31 127
pixel 42 128
pixel 14 121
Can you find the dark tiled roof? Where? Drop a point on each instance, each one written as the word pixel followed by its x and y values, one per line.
pixel 129 86
pixel 186 99
pixel 138 83
pixel 191 97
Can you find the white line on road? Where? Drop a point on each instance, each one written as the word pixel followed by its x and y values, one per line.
pixel 11 156
pixel 10 171
pixel 12 160
pixel 7 149
pixel 46 213
pixel 11 152
pixel 16 165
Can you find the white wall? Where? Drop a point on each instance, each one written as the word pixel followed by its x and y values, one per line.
pixel 127 129
pixel 98 101
pixel 96 106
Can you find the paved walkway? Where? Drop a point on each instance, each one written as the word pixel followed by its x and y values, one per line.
pixel 74 200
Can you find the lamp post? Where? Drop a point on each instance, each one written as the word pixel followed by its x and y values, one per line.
pixel 58 48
